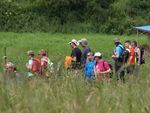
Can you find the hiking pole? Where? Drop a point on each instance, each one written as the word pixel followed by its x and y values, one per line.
pixel 5 55
pixel 4 59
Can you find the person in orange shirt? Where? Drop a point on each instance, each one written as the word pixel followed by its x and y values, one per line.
pixel 131 58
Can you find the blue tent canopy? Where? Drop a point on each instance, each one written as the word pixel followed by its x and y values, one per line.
pixel 143 28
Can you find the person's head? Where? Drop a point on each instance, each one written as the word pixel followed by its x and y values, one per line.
pixel 42 53
pixel 30 54
pixel 117 41
pixel 74 43
pixel 127 44
pixel 134 44
pixel 83 42
pixel 10 67
pixel 90 56
pixel 97 56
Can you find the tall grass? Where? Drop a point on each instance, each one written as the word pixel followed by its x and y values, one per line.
pixel 64 93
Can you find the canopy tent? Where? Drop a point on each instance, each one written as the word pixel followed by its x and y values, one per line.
pixel 145 29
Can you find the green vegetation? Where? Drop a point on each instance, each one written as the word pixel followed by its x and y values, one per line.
pixel 64 93
pixel 73 16
pixel 61 19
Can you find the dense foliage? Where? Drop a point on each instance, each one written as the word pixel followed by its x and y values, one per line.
pixel 73 16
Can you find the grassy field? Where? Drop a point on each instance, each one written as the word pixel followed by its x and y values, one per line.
pixel 68 94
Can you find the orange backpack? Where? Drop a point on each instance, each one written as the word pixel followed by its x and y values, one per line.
pixel 36 67
pixel 68 61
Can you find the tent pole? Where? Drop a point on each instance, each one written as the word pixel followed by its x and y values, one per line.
pixel 138 38
pixel 148 40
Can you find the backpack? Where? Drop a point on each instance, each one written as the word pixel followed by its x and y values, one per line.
pixel 50 66
pixel 142 55
pixel 142 60
pixel 110 66
pixel 125 55
pixel 36 67
pixel 68 61
pixel 121 57
pixel 46 63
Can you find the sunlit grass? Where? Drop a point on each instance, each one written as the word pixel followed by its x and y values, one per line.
pixel 64 93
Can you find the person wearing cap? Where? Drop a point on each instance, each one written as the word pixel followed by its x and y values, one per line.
pixel 75 54
pixel 45 62
pixel 102 67
pixel 33 65
pixel 11 71
pixel 118 58
pixel 89 67
pixel 84 43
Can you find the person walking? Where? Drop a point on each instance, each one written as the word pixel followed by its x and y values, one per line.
pixel 131 58
pixel 75 54
pixel 89 67
pixel 84 44
pixel 33 65
pixel 46 64
pixel 102 68
pixel 11 72
pixel 118 59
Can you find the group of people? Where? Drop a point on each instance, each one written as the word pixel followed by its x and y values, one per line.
pixel 127 58
pixel 41 66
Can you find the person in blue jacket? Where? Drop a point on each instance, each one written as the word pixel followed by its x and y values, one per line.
pixel 89 67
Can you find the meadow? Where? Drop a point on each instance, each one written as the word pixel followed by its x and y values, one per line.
pixel 63 93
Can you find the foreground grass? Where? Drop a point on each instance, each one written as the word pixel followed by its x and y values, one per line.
pixel 64 93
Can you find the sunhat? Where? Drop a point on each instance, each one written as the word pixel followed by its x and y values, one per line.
pixel 74 41
pixel 83 42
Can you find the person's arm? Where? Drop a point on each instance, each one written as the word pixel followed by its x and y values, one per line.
pixel 105 71
pixel 117 53
pixel 139 56
pixel 95 73
pixel 130 59
pixel 29 66
pixel 74 58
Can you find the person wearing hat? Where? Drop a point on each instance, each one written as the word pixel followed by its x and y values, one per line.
pixel 118 58
pixel 84 43
pixel 75 54
pixel 102 67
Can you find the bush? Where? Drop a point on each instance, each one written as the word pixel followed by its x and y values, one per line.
pixel 73 16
